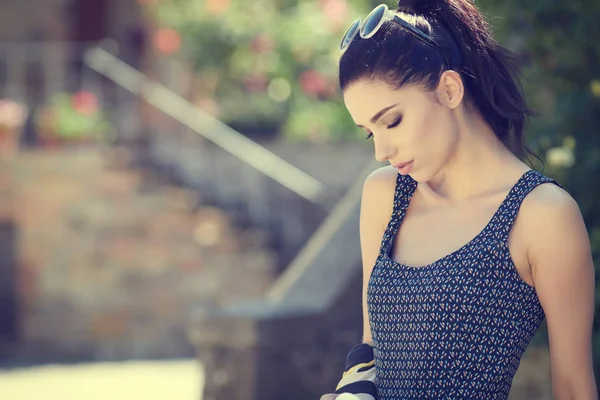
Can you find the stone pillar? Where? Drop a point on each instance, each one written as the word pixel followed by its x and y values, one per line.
pixel 260 351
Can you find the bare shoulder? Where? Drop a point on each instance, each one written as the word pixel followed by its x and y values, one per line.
pixel 549 202
pixel 552 224
pixel 382 181
pixel 378 193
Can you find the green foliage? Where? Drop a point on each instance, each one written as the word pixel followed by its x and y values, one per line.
pixel 271 63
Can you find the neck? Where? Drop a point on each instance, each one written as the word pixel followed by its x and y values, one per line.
pixel 480 164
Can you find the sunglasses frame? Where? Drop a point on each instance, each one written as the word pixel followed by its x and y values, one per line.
pixel 358 28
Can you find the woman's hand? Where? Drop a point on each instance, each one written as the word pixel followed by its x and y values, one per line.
pixel 329 396
pixel 342 396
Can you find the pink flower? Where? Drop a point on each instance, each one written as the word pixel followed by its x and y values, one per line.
pixel 336 11
pixel 313 83
pixel 85 103
pixel 12 114
pixel 167 41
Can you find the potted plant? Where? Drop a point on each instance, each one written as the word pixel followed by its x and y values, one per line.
pixel 71 118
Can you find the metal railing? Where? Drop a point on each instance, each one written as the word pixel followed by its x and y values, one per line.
pixel 260 189
pixel 205 125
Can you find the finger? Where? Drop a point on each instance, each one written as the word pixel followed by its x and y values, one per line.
pixel 329 396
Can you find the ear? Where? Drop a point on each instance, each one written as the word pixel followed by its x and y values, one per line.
pixel 450 91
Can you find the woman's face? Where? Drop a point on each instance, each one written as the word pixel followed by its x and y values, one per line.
pixel 408 125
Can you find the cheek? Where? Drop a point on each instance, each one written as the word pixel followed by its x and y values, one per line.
pixel 447 142
pixel 438 136
pixel 427 129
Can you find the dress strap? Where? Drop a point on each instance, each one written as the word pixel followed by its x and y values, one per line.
pixel 509 209
pixel 405 188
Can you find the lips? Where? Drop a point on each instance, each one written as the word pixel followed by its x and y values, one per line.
pixel 404 168
pixel 401 165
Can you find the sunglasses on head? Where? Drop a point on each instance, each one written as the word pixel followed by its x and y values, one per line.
pixel 373 22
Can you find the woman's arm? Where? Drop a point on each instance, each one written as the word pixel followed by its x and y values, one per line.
pixel 375 212
pixel 562 269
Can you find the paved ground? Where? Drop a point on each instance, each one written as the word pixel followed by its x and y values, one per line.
pixel 183 380
pixel 155 380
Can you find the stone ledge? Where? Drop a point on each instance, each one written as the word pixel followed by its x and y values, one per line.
pixel 259 350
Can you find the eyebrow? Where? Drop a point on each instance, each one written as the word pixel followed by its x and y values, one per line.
pixel 376 117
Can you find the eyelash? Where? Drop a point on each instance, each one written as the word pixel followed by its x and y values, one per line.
pixel 392 125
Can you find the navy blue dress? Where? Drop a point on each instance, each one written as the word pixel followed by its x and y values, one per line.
pixel 455 328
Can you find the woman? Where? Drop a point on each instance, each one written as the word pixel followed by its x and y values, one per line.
pixel 465 248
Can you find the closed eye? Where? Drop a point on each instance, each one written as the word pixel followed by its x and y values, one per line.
pixel 392 125
pixel 395 123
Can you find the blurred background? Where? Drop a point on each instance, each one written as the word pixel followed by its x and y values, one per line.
pixel 180 186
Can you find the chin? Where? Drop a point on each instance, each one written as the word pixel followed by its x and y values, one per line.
pixel 415 174
pixel 420 177
pixel 425 174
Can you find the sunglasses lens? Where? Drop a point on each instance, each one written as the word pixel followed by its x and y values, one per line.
pixel 373 21
pixel 349 35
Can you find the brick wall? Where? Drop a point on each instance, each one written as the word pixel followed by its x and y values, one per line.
pixel 109 265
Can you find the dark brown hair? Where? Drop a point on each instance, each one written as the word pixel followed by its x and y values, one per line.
pixel 489 71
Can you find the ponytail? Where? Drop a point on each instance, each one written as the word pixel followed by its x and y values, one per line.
pixel 490 72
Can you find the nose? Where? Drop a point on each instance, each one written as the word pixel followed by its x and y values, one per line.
pixel 383 152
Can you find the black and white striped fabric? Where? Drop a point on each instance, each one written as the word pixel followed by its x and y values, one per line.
pixel 359 374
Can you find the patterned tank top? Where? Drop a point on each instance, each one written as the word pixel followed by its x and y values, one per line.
pixel 457 327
